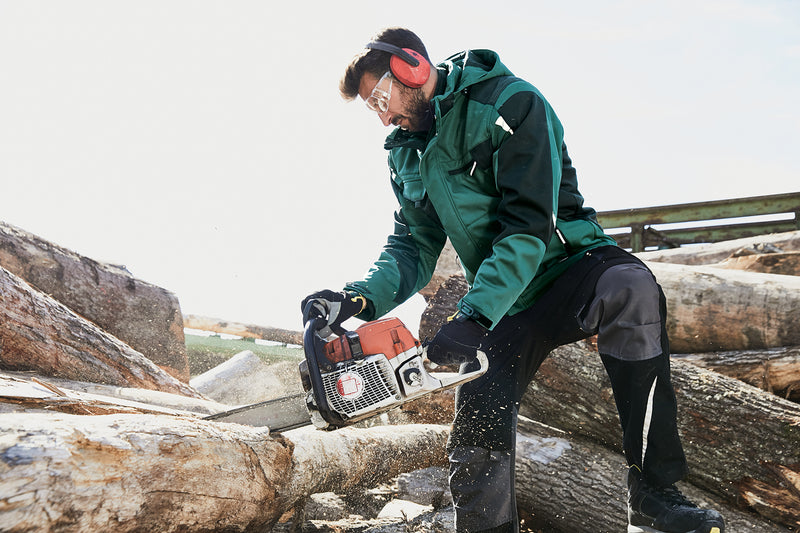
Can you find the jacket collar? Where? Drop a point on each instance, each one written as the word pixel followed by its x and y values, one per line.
pixel 456 74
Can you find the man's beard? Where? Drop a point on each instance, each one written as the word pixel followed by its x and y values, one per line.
pixel 419 111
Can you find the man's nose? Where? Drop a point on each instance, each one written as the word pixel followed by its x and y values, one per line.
pixel 386 118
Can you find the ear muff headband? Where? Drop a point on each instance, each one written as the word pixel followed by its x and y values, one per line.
pixel 407 65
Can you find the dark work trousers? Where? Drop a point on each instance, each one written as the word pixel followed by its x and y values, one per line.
pixel 608 292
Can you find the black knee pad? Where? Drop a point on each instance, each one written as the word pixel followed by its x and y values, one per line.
pixel 626 313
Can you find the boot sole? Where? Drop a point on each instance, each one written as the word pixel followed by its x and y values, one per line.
pixel 706 528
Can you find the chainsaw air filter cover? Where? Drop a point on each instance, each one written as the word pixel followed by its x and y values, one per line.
pixel 387 336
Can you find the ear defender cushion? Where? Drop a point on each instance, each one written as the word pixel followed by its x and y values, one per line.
pixel 408 66
pixel 411 76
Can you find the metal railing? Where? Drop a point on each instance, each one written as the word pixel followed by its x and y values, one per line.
pixel 635 229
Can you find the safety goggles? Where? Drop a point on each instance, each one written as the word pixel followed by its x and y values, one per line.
pixel 378 99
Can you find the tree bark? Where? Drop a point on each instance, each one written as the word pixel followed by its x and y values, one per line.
pixel 446 266
pixel 741 443
pixel 146 317
pixel 776 370
pixel 174 474
pixel 705 254
pixel 711 309
pixel 40 334
pixel 442 304
pixel 250 331
pixel 23 391
pixel 786 263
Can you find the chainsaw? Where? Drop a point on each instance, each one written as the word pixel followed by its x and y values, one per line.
pixel 352 377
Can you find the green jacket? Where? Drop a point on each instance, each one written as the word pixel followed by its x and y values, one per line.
pixel 489 175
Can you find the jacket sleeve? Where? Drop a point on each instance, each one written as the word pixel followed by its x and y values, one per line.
pixel 527 169
pixel 408 259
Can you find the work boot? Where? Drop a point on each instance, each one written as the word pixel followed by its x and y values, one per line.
pixel 666 510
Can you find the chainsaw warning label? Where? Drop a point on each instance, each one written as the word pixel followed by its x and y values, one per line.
pixel 350 385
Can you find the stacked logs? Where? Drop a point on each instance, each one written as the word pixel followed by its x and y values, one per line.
pixel 81 461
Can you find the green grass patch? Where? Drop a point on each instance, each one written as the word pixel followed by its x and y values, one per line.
pixel 205 353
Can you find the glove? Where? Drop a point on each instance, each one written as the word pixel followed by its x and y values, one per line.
pixel 336 307
pixel 458 341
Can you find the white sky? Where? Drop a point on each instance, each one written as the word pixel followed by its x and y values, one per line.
pixel 204 144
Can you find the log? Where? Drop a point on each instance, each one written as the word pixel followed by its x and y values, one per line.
pixel 776 370
pixel 23 391
pixel 442 304
pixel 709 309
pixel 566 484
pixel 245 379
pixel 151 472
pixel 144 316
pixel 250 331
pixel 786 263
pixel 40 334
pixel 446 266
pixel 712 309
pixel 704 254
pixel 18 395
pixel 353 457
pixel 140 472
pixel 742 443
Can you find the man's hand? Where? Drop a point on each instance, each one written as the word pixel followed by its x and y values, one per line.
pixel 458 341
pixel 336 307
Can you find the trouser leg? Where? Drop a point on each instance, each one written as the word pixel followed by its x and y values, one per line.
pixel 481 448
pixel 579 304
pixel 629 312
pixel 482 442
pixel 647 411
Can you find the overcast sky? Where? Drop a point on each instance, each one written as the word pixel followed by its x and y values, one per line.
pixel 204 144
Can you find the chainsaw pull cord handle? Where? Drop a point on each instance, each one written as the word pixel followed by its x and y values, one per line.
pixel 314 321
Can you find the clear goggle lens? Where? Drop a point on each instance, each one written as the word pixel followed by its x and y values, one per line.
pixel 378 100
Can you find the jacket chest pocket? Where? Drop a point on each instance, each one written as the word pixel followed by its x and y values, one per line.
pixel 477 172
pixel 409 185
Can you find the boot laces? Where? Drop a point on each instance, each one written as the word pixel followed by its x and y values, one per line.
pixel 673 496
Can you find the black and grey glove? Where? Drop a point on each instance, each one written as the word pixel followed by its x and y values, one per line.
pixel 336 307
pixel 458 341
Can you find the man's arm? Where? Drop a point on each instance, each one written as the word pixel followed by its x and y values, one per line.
pixel 407 261
pixel 527 166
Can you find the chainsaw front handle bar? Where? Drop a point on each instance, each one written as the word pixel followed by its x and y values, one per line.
pixel 313 345
pixel 449 380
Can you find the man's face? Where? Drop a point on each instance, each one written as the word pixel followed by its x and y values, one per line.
pixel 404 107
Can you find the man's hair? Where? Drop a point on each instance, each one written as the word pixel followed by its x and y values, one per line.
pixel 376 62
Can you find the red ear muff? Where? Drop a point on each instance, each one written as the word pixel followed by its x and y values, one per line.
pixel 411 76
pixel 408 66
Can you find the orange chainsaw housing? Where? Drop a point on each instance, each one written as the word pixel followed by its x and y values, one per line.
pixel 388 336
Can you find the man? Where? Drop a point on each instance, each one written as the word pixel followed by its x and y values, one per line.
pixel 478 157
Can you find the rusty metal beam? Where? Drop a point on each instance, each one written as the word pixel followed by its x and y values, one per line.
pixel 733 208
pixel 642 234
